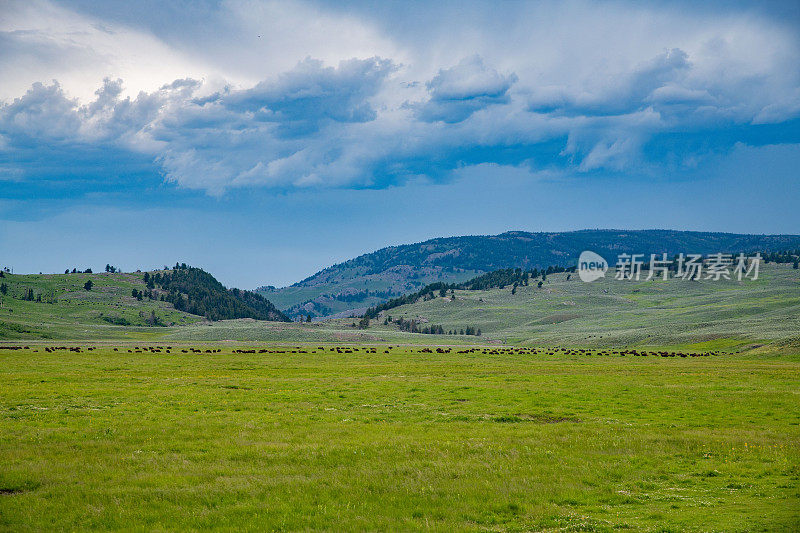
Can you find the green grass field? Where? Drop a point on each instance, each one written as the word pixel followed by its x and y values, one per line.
pixel 493 439
pixel 399 441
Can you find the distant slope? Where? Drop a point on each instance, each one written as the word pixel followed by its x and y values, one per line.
pixel 378 276
pixel 58 306
pixel 608 313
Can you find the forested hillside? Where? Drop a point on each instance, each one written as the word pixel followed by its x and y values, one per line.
pixel 399 270
pixel 197 292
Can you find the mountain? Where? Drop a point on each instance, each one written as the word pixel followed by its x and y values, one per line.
pixel 375 277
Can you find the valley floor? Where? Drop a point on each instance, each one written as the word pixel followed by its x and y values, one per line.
pixel 404 440
pixel 694 315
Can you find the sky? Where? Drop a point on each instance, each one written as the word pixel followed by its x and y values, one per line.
pixel 264 141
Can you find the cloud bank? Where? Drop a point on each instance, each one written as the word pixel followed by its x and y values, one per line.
pixel 373 120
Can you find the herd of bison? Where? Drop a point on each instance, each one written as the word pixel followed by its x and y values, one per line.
pixel 387 349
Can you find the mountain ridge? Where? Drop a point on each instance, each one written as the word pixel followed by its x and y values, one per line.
pixel 400 269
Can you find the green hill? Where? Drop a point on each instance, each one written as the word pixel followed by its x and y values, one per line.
pixel 390 272
pixel 65 306
pixel 197 292
pixel 188 304
pixel 608 312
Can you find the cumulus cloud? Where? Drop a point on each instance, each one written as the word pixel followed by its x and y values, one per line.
pixel 310 94
pixel 277 133
pixel 46 115
pixel 43 114
pixel 373 121
pixel 459 91
pixel 622 94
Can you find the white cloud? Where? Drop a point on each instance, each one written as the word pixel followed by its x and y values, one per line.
pixel 459 91
pixel 43 41
pixel 297 95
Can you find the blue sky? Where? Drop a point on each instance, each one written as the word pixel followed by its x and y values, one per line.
pixel 264 141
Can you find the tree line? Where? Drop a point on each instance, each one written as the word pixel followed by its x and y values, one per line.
pixel 501 278
pixel 360 295
pixel 415 326
pixel 789 256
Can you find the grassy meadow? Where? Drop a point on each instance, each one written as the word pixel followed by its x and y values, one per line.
pixel 311 439
pixel 271 426
pixel 72 312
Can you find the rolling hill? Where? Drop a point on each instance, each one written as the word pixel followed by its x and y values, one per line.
pixel 565 311
pixel 110 305
pixel 396 270
pixel 700 315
